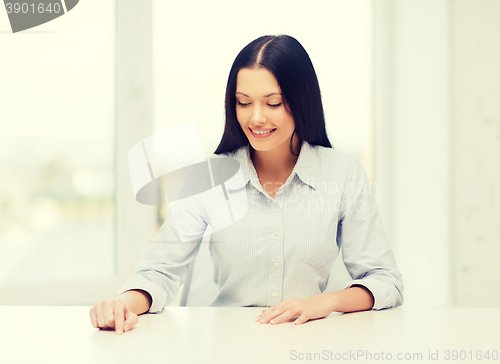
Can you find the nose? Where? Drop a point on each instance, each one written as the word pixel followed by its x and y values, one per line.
pixel 258 116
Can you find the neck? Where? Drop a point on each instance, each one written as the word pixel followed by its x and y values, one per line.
pixel 278 161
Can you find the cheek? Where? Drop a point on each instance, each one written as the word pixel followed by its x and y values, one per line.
pixel 240 116
pixel 287 121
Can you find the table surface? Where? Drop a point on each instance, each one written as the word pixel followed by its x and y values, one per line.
pixel 48 334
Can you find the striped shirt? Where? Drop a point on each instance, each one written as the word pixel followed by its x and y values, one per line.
pixel 282 247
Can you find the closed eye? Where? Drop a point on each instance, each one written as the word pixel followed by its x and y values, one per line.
pixel 275 105
pixel 242 103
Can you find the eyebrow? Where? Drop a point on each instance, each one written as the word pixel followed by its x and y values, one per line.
pixel 269 95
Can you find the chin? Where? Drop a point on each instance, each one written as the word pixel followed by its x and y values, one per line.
pixel 261 148
pixel 265 147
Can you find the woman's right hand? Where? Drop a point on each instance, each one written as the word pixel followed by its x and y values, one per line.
pixel 113 314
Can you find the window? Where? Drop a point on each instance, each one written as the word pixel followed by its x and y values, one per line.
pixel 57 142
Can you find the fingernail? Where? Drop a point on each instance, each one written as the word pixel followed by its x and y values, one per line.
pixel 273 322
pixel 125 328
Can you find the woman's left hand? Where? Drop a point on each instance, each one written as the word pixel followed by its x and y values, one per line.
pixel 307 308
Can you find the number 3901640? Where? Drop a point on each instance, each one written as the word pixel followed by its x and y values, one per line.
pixel 32 8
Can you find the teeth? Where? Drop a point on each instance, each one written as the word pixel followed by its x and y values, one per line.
pixel 261 132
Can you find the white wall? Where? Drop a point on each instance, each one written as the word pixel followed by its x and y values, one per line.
pixel 476 151
pixel 412 143
pixel 437 160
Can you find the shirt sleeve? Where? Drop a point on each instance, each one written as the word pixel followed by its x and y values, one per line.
pixel 164 267
pixel 366 250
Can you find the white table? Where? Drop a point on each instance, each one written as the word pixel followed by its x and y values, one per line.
pixel 229 335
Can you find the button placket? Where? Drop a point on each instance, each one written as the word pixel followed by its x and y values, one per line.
pixel 276 253
pixel 277 205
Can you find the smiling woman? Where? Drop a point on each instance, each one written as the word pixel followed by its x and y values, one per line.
pixel 280 75
pixel 280 253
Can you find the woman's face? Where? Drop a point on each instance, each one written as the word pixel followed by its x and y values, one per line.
pixel 260 110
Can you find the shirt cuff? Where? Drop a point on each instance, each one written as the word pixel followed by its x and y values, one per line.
pixel 382 292
pixel 158 295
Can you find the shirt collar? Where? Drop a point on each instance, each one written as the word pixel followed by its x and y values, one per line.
pixel 305 168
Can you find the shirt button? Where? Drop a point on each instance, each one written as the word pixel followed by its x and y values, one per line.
pixel 298 186
pixel 277 232
pixel 276 264
pixel 254 190
pixel 275 294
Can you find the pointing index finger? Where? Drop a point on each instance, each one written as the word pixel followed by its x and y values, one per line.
pixel 119 313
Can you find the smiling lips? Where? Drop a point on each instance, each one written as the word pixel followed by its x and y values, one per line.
pixel 262 133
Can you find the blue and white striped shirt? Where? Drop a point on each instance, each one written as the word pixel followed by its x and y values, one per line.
pixel 283 247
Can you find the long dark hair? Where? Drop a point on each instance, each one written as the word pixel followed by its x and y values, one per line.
pixel 290 64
